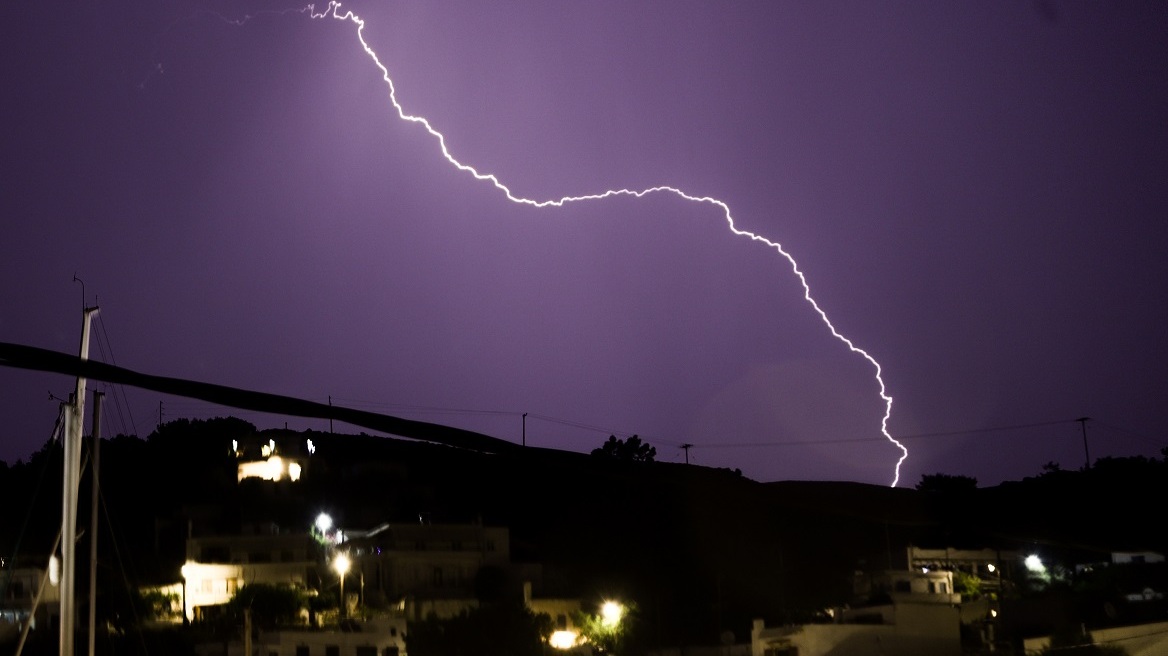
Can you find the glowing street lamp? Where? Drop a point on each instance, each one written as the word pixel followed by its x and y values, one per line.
pixel 611 613
pixel 324 522
pixel 1034 564
pixel 342 564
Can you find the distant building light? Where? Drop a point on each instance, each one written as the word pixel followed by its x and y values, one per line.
pixel 991 568
pixel 272 468
pixel 563 639
pixel 1034 563
pixel 54 570
pixel 311 447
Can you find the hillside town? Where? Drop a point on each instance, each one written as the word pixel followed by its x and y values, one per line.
pixel 218 538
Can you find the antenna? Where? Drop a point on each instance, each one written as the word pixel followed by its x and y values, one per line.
pixel 76 279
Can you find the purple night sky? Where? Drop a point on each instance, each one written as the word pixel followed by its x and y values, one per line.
pixel 975 191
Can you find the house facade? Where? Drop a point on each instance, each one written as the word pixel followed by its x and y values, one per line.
pixel 898 613
pixel 20 586
pixel 218 566
pixel 429 569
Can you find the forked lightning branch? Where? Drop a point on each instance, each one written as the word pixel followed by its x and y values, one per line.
pixel 333 10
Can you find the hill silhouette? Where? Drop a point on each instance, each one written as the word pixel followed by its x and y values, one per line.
pixel 700 550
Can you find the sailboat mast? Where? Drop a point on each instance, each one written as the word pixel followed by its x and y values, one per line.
pixel 95 435
pixel 74 415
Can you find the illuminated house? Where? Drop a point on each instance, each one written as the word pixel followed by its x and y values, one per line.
pixel 429 568
pixel 273 456
pixel 217 566
pixel 917 585
pixel 989 566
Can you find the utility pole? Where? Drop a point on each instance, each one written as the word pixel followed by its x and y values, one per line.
pixel 1083 423
pixel 330 414
pixel 160 416
pixel 525 429
pixel 686 448
pixel 247 631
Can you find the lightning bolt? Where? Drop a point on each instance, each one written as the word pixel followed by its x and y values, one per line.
pixel 333 10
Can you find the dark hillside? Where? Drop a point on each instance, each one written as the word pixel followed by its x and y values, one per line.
pixel 699 550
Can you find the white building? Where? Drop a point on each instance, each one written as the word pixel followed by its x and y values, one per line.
pixel 272 456
pixel 20 586
pixel 218 566
pixel 914 613
pixel 382 637
pixel 1138 640
pixel 430 568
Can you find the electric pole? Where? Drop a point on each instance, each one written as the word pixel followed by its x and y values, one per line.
pixel 1083 423
pixel 524 436
pixel 686 448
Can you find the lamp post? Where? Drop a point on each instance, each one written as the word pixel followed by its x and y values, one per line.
pixel 611 613
pixel 323 523
pixel 609 634
pixel 341 564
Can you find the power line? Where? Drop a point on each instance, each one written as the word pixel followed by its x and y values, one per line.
pixel 186 408
pixel 29 357
pixel 853 440
pixel 197 409
pixel 1146 439
pixel 424 408
pixel 104 336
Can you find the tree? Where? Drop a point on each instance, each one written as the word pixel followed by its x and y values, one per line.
pixel 630 450
pixel 608 630
pixel 967 585
pixel 946 483
pixel 271 605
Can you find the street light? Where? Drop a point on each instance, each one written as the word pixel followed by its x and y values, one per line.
pixel 611 613
pixel 342 563
pixel 324 522
pixel 1034 564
